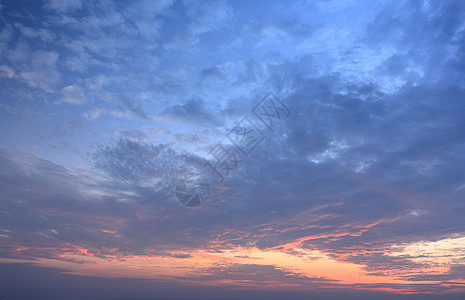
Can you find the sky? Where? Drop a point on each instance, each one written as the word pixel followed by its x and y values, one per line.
pixel 328 138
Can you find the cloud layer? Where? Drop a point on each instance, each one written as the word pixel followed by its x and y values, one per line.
pixel 106 105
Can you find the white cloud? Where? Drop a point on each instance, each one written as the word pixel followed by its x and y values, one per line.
pixel 72 95
pixel 6 34
pixel 94 113
pixel 208 16
pixel 44 34
pixel 64 5
pixel 38 68
pixel 444 252
pixel 6 71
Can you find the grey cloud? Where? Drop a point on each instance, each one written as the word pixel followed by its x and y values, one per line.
pixel 62 212
pixel 134 107
pixel 258 274
pixel 143 163
pixel 192 111
pixel 29 280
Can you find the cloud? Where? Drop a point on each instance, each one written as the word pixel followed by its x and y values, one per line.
pixel 69 213
pixel 94 113
pixel 143 163
pixel 56 282
pixel 37 68
pixel 43 34
pixel 7 71
pixel 192 111
pixel 72 95
pixel 134 107
pixel 64 6
pixel 370 159
pixel 208 16
pixel 257 275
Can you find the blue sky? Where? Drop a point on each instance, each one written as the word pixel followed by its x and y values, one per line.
pixel 104 105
